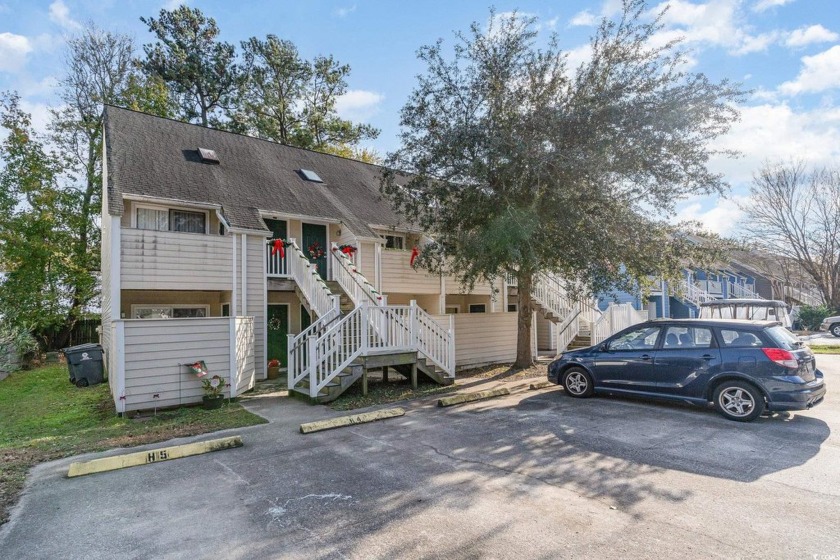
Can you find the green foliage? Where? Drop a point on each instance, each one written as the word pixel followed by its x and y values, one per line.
pixel 36 236
pixel 199 70
pixel 292 101
pixel 520 164
pixel 812 316
pixel 15 343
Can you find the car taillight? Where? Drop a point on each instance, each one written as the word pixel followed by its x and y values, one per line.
pixel 781 357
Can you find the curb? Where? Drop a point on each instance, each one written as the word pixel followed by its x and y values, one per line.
pixel 470 397
pixel 540 385
pixel 351 420
pixel 152 456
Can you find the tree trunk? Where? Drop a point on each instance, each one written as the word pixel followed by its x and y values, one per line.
pixel 524 356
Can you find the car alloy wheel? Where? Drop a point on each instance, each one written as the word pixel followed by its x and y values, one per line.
pixel 739 401
pixel 835 329
pixel 577 383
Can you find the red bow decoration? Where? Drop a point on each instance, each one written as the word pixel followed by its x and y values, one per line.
pixel 348 250
pixel 278 246
pixel 415 252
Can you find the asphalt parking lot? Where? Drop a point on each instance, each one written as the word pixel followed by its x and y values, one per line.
pixel 532 475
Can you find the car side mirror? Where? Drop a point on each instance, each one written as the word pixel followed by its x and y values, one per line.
pixel 604 347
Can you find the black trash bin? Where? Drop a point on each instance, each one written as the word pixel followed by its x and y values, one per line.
pixel 85 364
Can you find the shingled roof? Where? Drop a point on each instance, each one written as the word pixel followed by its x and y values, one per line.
pixel 157 157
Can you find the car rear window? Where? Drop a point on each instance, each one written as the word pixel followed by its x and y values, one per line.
pixel 736 338
pixel 783 337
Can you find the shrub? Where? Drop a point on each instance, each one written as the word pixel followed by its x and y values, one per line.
pixel 811 317
pixel 15 343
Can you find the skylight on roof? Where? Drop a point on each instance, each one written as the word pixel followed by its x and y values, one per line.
pixel 208 155
pixel 310 175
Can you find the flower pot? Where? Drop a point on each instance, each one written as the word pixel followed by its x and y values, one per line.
pixel 273 372
pixel 212 402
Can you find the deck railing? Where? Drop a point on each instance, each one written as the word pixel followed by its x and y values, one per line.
pixel 276 266
pixel 742 291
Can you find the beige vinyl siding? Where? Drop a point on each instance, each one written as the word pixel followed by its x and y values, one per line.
pixel 399 276
pixel 155 350
pixel 256 299
pixel 367 258
pixel 545 330
pixel 482 338
pixel 160 260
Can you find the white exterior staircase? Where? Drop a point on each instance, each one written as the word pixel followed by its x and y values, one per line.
pixel 337 349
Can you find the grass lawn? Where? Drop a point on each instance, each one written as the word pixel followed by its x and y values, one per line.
pixel 825 349
pixel 43 417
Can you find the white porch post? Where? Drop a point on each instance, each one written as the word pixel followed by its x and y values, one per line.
pixel 233 288
pixel 244 273
pixel 365 342
pixel 312 367
pixel 412 310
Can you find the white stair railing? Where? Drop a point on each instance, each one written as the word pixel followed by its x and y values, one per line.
pixel 352 281
pixel 433 341
pixel 297 351
pixel 617 317
pixel 693 294
pixel 550 293
pixel 311 284
pixel 404 328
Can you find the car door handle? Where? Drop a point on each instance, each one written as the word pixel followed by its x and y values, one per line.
pixel 645 357
pixel 708 357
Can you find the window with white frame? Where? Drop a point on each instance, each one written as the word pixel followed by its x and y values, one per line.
pixel 394 242
pixel 163 219
pixel 169 311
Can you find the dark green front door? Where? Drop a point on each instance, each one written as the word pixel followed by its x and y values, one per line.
pixel 315 241
pixel 278 329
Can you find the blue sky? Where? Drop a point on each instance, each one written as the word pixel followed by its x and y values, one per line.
pixel 786 51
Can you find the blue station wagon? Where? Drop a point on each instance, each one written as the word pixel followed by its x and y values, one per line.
pixel 741 367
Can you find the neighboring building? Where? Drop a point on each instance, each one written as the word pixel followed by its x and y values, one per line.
pixel 225 248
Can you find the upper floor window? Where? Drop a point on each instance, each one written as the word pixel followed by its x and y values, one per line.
pixel 394 242
pixel 161 219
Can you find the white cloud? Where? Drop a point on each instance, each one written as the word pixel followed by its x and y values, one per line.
pixel 808 35
pixel 578 55
pixel 40 114
pixel 774 132
pixel 763 5
pixel 60 14
pixel 345 11
pixel 551 23
pixel 756 43
pixel 584 18
pixel 358 104
pixel 171 5
pixel 819 73
pixel 723 218
pixel 13 51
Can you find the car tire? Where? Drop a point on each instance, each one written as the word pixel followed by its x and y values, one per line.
pixel 835 329
pixel 738 401
pixel 578 383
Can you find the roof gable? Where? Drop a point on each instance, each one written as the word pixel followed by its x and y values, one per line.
pixel 157 157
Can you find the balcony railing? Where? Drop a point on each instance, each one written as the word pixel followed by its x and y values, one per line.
pixel 276 265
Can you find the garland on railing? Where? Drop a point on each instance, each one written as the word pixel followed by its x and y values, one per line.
pixel 348 250
pixel 354 270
